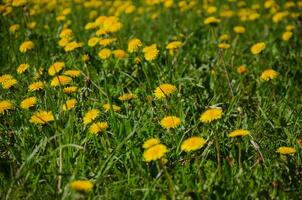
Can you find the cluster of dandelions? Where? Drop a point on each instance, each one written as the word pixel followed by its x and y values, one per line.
pixel 104 43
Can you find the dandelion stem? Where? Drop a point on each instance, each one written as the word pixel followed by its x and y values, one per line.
pixel 239 155
pixel 218 156
pixel 169 179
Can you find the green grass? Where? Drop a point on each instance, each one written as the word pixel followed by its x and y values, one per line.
pixel 40 161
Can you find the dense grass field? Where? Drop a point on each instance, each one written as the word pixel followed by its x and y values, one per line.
pixel 150 99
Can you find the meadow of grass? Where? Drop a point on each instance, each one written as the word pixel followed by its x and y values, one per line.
pixel 96 80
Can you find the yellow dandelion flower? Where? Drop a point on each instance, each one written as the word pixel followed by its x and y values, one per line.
pixel 211 20
pixel 258 48
pixel 25 46
pixel 72 73
pixel 55 68
pixel 104 54
pixel 66 33
pixel 28 102
pixel 39 85
pixel 268 75
pixel 60 80
pixel 133 45
pixel 286 150
pixel 211 115
pixel 289 27
pixel 155 152
pixel 63 42
pixel 85 58
pixel 22 68
pixel 224 37
pixel 14 28
pixel 90 26
pixel 239 29
pixel 164 90
pixel 105 42
pixel 81 185
pixel 93 41
pixel 127 97
pixel 90 116
pixel 41 117
pixel 17 3
pixel 192 144
pixel 211 9
pixel 114 107
pixel 31 25
pixel 224 46
pixel 150 143
pixel 5 105
pixel 279 16
pixel 170 122
pixel 71 89
pixel 72 46
pixel 119 54
pixel 150 52
pixel 242 69
pixel 9 83
pixel 5 77
pixel 239 132
pixel 69 104
pixel 287 35
pixel 174 45
pixel 98 127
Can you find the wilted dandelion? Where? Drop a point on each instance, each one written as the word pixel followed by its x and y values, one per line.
pixel 170 122
pixel 192 144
